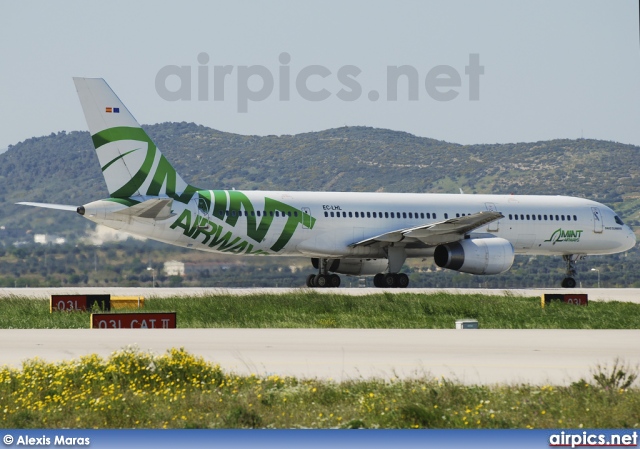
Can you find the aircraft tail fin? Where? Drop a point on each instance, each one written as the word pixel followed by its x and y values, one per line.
pixel 132 165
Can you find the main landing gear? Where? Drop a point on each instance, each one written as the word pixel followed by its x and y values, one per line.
pixel 323 278
pixel 391 280
pixel 570 260
pixel 380 280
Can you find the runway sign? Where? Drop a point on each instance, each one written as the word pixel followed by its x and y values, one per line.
pixel 467 324
pixel 137 320
pixel 79 302
pixel 568 298
pixel 127 302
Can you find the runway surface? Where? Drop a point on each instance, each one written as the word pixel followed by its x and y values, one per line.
pixel 484 356
pixel 595 294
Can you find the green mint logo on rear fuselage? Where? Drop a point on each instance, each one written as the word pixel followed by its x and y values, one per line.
pixel 214 235
pixel 258 223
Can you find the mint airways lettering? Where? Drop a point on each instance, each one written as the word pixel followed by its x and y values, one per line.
pixel 561 235
pixel 213 234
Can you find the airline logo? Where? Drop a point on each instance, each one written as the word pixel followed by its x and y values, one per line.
pixel 112 110
pixel 215 234
pixel 562 235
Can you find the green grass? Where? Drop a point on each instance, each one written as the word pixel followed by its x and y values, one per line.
pixel 177 390
pixel 308 309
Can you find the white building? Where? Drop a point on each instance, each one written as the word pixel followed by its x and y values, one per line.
pixel 173 268
pixel 43 239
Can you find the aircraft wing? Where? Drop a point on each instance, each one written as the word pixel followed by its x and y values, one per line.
pixel 450 230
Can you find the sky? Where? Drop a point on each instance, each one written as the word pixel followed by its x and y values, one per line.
pixel 470 71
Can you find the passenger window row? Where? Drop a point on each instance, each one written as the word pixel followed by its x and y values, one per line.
pixel 542 217
pixel 411 215
pixel 258 213
pixel 428 215
pixel 398 215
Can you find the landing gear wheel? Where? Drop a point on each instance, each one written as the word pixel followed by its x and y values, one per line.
pixel 311 280
pixel 390 280
pixel 321 280
pixel 334 281
pixel 378 280
pixel 568 283
pixel 571 272
pixel 402 280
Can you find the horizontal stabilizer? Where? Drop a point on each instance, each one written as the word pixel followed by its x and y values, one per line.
pixel 51 206
pixel 155 209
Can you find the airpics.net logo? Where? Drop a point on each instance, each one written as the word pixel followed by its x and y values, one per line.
pixel 255 83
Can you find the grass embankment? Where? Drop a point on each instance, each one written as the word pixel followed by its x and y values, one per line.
pixel 178 390
pixel 308 309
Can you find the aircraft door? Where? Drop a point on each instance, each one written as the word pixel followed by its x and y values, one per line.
pixel 306 217
pixel 202 212
pixel 597 220
pixel 494 226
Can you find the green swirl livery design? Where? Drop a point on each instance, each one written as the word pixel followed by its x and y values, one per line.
pixel 165 174
pixel 211 230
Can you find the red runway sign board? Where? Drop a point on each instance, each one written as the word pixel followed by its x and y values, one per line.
pixel 70 303
pixel 568 298
pixel 73 303
pixel 141 320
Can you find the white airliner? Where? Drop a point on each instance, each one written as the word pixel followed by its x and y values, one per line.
pixel 348 233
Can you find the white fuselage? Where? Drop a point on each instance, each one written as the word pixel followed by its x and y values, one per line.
pixel 543 225
pixel 343 233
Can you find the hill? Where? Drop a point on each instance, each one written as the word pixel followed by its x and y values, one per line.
pixel 63 168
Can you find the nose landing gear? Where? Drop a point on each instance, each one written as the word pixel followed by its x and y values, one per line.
pixel 570 260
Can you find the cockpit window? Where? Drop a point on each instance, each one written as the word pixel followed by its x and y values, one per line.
pixel 618 220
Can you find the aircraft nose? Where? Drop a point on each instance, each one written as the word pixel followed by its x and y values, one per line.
pixel 629 241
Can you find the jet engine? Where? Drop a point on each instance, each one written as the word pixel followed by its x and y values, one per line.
pixel 476 256
pixel 356 267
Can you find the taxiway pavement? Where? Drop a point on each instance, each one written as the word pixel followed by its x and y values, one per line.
pixel 471 356
pixel 595 294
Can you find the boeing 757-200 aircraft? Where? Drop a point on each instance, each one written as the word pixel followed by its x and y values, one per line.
pixel 348 233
